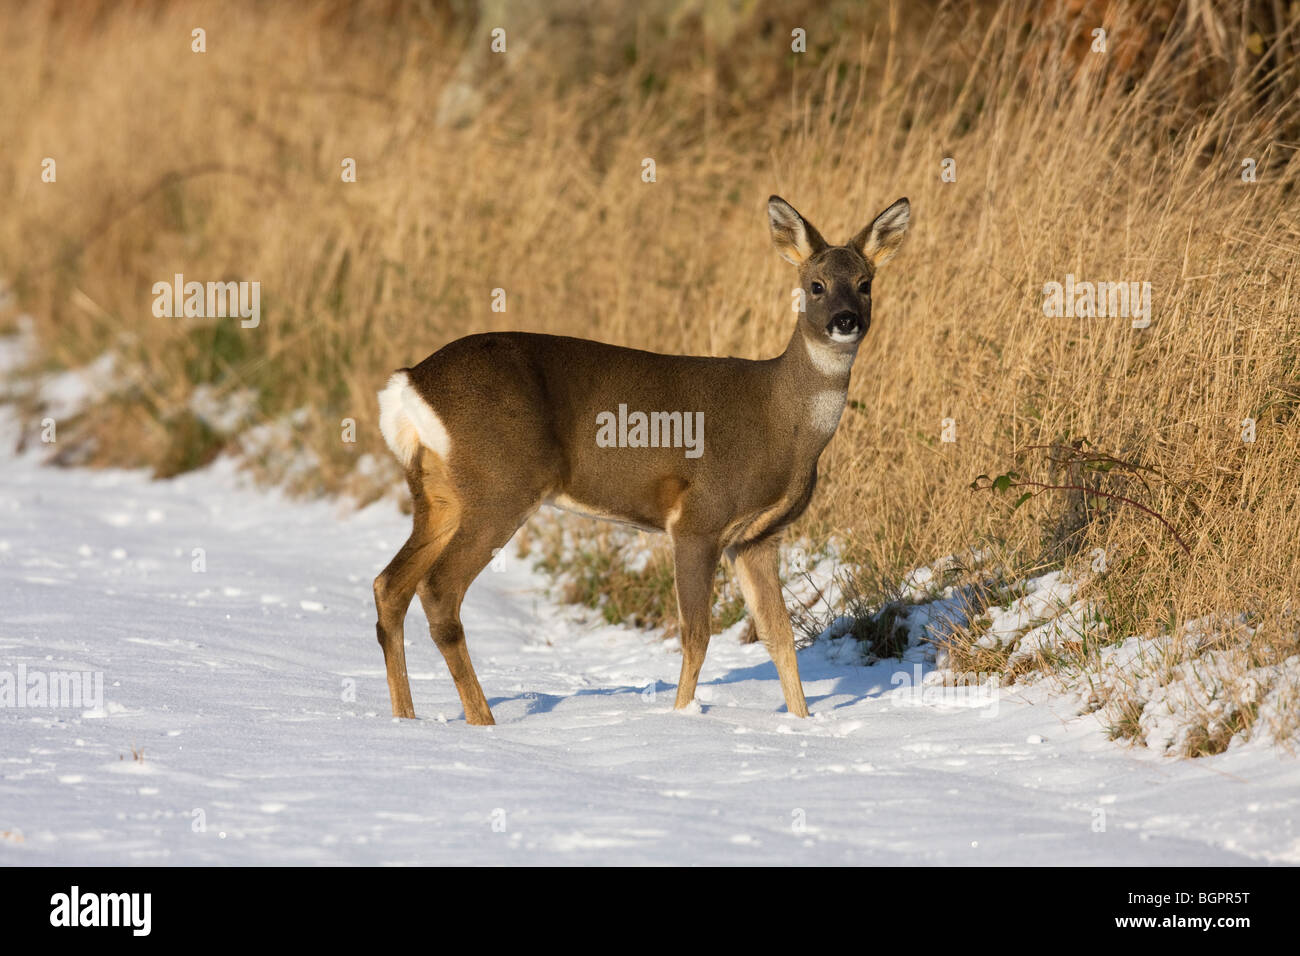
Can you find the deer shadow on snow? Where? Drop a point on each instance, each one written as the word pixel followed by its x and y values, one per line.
pixel 852 684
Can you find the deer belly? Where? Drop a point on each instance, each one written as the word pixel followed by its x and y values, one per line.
pixel 760 522
pixel 602 512
pixel 650 500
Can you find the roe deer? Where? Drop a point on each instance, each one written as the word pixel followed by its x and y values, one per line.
pixel 492 426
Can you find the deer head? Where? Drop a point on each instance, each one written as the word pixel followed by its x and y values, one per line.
pixel 836 280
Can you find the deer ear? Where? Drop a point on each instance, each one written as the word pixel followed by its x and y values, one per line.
pixel 880 240
pixel 792 234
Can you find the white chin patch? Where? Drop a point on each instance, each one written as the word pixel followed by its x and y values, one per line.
pixel 828 360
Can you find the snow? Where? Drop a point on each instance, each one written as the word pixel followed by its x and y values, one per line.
pixel 253 693
pixel 1176 697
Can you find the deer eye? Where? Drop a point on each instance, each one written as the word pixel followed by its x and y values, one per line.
pixel 817 288
pixel 864 287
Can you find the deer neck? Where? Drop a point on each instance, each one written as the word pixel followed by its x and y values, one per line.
pixel 813 386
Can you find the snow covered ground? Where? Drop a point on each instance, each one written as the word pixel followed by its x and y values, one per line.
pixel 254 692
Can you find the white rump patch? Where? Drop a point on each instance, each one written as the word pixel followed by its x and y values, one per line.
pixel 407 422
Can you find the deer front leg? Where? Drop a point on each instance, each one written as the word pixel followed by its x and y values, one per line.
pixel 758 569
pixel 694 561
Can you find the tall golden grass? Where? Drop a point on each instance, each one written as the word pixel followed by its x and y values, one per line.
pixel 1117 166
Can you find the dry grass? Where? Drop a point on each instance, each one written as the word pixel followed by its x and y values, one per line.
pixel 620 572
pixel 1118 167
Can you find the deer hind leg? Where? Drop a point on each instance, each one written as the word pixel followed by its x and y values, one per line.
pixel 694 561
pixel 436 515
pixel 443 588
pixel 758 569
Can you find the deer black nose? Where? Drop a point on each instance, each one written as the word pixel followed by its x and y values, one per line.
pixel 845 323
